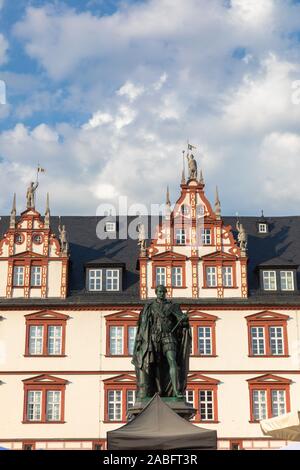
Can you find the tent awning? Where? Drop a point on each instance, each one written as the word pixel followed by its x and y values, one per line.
pixel 159 427
pixel 286 427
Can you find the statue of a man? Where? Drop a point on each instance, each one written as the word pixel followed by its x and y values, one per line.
pixel 162 348
pixel 242 236
pixel 63 238
pixel 30 194
pixel 192 166
pixel 142 237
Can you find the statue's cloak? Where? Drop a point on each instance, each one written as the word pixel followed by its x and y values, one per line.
pixel 144 358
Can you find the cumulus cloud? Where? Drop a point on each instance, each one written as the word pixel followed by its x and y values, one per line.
pixel 142 81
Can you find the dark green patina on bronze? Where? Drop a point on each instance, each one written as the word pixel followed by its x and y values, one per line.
pixel 162 349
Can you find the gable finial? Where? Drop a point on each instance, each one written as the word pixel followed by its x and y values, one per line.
pixel 47 213
pixel 168 202
pixel 183 168
pixel 217 204
pixel 13 213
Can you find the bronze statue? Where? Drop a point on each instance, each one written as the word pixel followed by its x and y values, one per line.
pixel 30 194
pixel 162 348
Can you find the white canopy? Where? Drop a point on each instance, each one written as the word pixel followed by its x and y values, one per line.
pixel 285 427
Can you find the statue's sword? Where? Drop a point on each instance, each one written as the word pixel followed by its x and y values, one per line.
pixel 179 321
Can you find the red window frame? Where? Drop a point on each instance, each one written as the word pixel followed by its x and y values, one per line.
pixel 121 319
pixel 197 319
pixel 266 320
pixel 198 382
pixel 269 382
pixel 121 383
pixel 44 383
pixel 46 318
pixel 219 264
pixel 170 265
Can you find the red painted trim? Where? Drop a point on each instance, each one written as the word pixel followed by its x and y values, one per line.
pixel 45 318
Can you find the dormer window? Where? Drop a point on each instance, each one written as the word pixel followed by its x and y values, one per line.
pixel 262 228
pixel 269 280
pixel 110 226
pixel 283 280
pixel 112 279
pixel 102 277
pixel 95 279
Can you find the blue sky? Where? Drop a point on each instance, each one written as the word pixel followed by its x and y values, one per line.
pixel 104 95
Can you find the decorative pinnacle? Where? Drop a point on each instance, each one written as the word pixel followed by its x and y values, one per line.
pixel 217 203
pixel 14 204
pixel 47 204
pixel 201 180
pixel 168 202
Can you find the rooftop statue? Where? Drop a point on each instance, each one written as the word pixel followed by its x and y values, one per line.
pixel 192 166
pixel 162 348
pixel 30 194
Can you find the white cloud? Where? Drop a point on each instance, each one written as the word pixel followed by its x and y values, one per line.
pixel 148 77
pixel 3 49
pixel 131 91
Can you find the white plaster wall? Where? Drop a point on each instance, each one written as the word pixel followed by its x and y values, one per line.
pixel 3 277
pixel 54 278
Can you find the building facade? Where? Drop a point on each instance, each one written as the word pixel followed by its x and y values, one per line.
pixel 70 300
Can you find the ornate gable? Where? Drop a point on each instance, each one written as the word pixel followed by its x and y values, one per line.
pixel 122 316
pixel 267 316
pixel 47 315
pixel 198 379
pixel 44 379
pixel 122 379
pixel 196 315
pixel 269 379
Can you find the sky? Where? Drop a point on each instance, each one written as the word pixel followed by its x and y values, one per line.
pixel 104 95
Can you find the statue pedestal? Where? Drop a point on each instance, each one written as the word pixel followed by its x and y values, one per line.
pixel 180 406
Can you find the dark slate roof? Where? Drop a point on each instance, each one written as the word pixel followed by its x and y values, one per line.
pixel 279 247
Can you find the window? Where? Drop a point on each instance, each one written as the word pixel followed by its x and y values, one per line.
pixel 185 210
pixel 44 399
pixel 36 276
pixel 95 279
pixel 202 394
pixel 160 276
pixel 34 403
pixel 121 331
pixel 269 280
pixel 112 279
pixel 110 227
pixel 53 405
pixel 258 340
pixel 130 399
pixel 269 397
pixel 120 394
pixel 36 340
pixel 18 276
pixel 115 405
pixel 19 238
pixel 205 340
pixel 206 405
pixel 200 210
pixel 286 280
pixel 131 338
pixel 203 328
pixel 267 334
pixel 37 238
pixel 54 340
pixel 206 236
pixel 116 334
pixel 262 228
pixel 227 276
pixel 180 236
pixel 45 334
pixel 211 276
pixel 176 277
